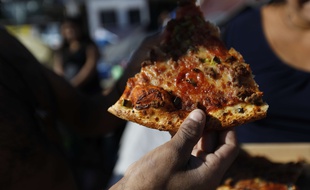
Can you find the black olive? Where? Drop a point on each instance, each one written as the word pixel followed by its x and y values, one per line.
pixel 177 102
pixel 127 103
pixel 217 60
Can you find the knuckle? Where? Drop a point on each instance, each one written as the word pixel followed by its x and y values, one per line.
pixel 190 129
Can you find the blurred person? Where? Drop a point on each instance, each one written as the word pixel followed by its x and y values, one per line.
pixel 34 100
pixel 76 60
pixel 274 40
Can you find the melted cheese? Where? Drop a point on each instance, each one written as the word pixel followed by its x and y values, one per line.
pixel 199 80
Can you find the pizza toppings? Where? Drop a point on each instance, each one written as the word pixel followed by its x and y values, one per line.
pixel 191 68
pixel 212 83
pixel 256 184
pixel 259 173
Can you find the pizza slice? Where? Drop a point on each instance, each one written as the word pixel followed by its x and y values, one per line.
pixel 259 173
pixel 191 68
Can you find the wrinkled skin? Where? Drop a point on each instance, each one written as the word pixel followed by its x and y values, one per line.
pixel 193 159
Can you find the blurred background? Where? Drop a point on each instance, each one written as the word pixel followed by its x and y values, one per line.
pixel 116 26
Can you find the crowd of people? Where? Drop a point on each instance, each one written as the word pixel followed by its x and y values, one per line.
pixel 36 101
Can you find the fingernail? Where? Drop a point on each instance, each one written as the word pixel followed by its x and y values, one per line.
pixel 197 115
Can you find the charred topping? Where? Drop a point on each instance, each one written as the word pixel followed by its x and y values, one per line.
pixel 127 103
pixel 212 73
pixel 189 31
pixel 177 102
pixel 240 110
pixel 217 60
pixel 152 97
pixel 231 59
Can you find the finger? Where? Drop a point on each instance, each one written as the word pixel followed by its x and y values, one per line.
pixel 189 133
pixel 227 144
pixel 219 161
pixel 227 150
pixel 228 137
pixel 208 142
pixel 212 140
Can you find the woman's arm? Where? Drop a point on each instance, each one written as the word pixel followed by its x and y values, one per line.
pixel 58 64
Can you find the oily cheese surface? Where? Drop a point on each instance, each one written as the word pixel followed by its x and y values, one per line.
pixel 197 78
pixel 165 92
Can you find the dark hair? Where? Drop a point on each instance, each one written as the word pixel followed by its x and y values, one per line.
pixel 78 22
pixel 73 19
pixel 81 25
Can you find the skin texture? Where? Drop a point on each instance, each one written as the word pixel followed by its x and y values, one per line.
pixel 193 159
pixel 287 30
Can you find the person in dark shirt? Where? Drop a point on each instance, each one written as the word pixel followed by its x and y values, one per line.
pixel 76 61
pixel 77 58
pixel 274 40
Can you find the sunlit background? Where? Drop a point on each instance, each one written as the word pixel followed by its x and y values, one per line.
pixel 116 26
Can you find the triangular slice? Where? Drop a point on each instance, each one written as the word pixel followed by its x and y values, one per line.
pixel 191 68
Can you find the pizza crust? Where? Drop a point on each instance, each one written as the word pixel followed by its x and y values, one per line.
pixel 238 114
pixel 229 116
pixel 151 117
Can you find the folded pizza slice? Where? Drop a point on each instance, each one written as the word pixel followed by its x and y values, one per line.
pixel 191 69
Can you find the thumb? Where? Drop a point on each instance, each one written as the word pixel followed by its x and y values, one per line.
pixel 189 133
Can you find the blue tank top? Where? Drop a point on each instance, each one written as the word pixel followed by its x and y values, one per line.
pixel 286 90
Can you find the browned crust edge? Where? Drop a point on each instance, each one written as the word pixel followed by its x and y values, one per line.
pixel 230 116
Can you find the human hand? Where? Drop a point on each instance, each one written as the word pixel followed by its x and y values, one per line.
pixel 193 159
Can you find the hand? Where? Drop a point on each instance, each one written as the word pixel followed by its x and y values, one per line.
pixel 193 159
